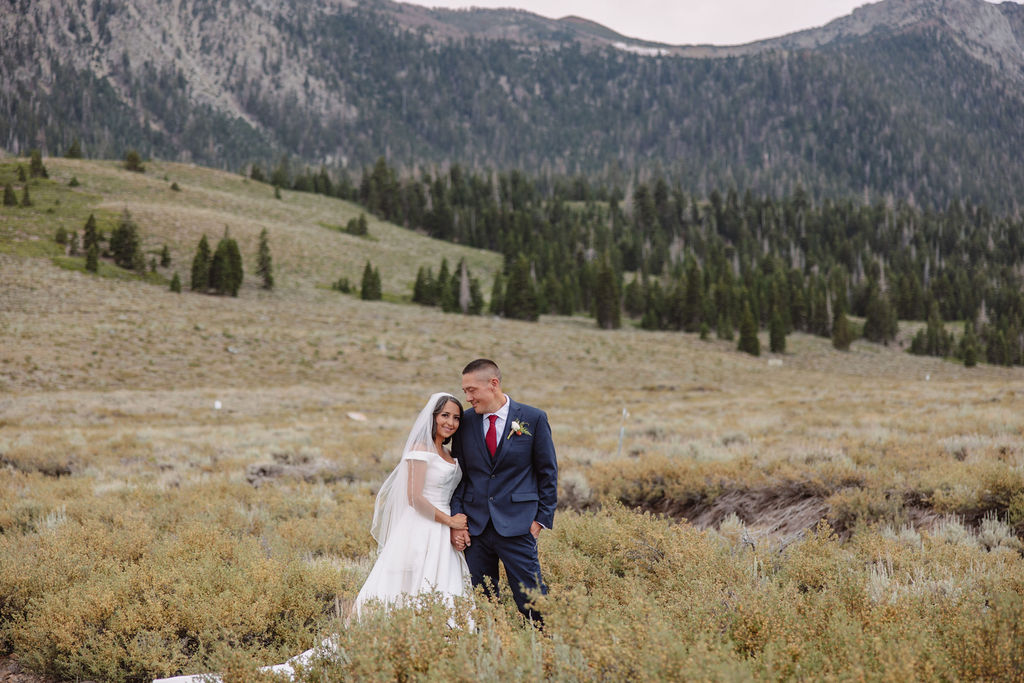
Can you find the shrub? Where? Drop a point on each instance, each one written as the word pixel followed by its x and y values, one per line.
pixel 133 162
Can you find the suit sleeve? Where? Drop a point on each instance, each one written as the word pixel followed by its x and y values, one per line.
pixel 457 452
pixel 545 466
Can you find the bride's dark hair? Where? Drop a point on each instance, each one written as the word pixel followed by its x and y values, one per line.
pixel 438 407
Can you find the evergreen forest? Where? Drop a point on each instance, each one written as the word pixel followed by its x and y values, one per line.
pixel 679 261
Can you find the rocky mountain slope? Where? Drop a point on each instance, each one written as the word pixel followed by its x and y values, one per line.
pixel 903 97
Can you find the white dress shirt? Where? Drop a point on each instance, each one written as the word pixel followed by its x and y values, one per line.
pixel 499 424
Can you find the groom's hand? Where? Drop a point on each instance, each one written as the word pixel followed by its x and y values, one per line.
pixel 460 539
pixel 535 528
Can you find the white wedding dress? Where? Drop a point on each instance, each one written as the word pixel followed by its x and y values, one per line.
pixel 415 557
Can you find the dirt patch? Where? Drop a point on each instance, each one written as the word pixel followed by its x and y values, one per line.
pixel 289 466
pixel 11 672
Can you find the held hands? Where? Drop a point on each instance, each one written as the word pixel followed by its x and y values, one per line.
pixel 458 522
pixel 460 538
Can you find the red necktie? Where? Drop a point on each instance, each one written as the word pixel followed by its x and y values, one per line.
pixel 492 435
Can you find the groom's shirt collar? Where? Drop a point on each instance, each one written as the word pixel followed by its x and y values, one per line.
pixel 502 414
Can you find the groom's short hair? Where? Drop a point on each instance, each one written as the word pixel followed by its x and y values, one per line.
pixel 483 365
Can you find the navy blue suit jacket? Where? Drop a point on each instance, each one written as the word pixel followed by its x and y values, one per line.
pixel 518 485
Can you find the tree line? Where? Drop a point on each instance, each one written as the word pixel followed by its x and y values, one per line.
pixel 671 260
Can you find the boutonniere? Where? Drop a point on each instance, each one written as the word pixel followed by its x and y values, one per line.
pixel 518 428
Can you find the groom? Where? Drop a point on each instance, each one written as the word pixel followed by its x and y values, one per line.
pixel 509 485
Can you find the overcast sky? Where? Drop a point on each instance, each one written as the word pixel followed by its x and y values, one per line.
pixel 684 22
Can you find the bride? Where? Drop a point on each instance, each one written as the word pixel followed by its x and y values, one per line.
pixel 411 522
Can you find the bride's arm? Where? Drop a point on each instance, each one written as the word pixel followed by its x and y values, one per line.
pixel 417 477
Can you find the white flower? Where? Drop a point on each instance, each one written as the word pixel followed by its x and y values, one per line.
pixel 518 428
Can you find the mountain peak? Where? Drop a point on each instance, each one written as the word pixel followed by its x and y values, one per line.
pixel 993 34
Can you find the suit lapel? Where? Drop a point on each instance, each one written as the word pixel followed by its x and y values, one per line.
pixel 474 423
pixel 513 415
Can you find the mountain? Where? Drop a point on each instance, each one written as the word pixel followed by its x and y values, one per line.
pixel 916 99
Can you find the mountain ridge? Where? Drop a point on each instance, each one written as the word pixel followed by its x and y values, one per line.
pixel 339 83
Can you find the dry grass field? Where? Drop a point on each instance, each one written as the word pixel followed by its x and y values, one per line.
pixel 816 515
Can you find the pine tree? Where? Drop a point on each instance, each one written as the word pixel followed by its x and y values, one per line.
pixel 75 150
pixel 607 303
pixel 235 259
pixel 10 199
pixel 371 285
pixel 225 275
pixel 476 297
pixel 520 295
pixel 26 201
pixel 441 284
pixel 777 333
pixel 748 343
pixel 176 283
pixel 22 176
pixel 819 322
pixel 842 335
pixel 265 265
pixel 139 262
pixel 124 242
pixel 201 266
pixel 940 340
pixel 420 290
pixel 280 177
pixel 61 237
pixel 969 345
pixel 35 165
pixel 90 236
pixel 73 244
pixel 450 288
pixel 723 330
pixel 691 305
pixel 92 258
pixel 633 298
pixel 497 305
pixel 880 323
pixel 165 257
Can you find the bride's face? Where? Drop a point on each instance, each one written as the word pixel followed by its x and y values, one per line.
pixel 447 421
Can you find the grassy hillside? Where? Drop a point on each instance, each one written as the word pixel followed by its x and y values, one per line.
pixel 144 532
pixel 308 247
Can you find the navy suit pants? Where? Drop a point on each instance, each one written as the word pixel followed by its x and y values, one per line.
pixel 518 554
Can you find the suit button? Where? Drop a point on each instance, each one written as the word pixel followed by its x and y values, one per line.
pixel 491 498
pixel 492 476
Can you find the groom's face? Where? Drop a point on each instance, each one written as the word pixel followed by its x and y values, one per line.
pixel 483 391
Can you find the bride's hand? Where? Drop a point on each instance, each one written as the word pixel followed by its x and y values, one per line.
pixel 459 521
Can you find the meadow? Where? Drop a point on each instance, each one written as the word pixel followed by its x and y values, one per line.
pixel 811 515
